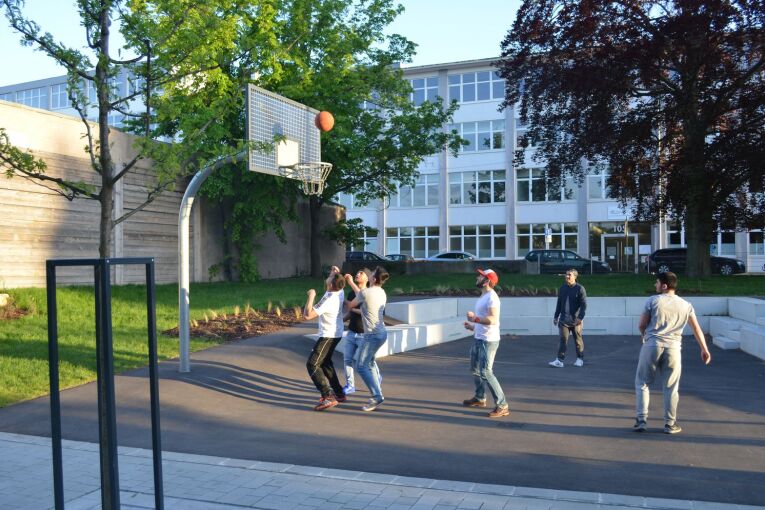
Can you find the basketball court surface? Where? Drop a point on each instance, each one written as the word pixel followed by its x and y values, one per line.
pixel 569 429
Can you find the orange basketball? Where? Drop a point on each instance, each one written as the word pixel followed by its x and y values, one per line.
pixel 324 121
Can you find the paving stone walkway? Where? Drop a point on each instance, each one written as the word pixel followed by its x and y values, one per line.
pixel 197 482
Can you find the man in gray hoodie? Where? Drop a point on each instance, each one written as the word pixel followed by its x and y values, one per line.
pixel 569 314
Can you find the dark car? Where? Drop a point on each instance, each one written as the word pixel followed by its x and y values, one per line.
pixel 673 259
pixel 399 257
pixel 452 256
pixel 559 261
pixel 363 255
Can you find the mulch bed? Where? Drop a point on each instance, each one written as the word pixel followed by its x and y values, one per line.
pixel 228 327
pixel 10 312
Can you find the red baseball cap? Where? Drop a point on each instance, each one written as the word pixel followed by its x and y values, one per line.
pixel 489 274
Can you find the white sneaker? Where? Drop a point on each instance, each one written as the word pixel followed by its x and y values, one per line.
pixel 579 362
pixel 372 405
pixel 556 363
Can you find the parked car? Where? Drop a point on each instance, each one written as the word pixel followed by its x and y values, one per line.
pixel 452 256
pixel 363 255
pixel 399 257
pixel 673 259
pixel 558 261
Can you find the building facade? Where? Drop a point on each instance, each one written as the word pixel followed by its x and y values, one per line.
pixel 478 202
pixel 481 203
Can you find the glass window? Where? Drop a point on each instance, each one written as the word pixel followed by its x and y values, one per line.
pixel 424 89
pixel 484 136
pixel 405 196
pixel 59 98
pixel 756 245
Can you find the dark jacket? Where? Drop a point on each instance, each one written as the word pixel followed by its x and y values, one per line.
pixel 577 304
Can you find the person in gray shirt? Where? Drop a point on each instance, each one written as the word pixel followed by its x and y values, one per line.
pixel 661 329
pixel 372 302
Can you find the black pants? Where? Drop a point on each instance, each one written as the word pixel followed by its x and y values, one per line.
pixel 564 331
pixel 321 369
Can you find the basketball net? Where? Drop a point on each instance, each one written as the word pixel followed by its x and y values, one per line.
pixel 312 175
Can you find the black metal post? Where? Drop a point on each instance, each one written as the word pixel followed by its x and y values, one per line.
pixel 156 438
pixel 55 401
pixel 107 419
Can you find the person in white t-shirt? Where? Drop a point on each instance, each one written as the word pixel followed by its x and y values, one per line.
pixel 484 322
pixel 329 310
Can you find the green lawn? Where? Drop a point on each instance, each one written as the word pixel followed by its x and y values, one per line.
pixel 23 342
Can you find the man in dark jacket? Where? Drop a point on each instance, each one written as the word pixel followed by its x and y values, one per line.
pixel 569 314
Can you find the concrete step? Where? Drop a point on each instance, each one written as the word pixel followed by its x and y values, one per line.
pixel 733 335
pixel 725 343
pixel 752 340
pixel 748 309
pixel 721 325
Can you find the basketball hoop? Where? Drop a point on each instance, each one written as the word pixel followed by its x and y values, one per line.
pixel 313 175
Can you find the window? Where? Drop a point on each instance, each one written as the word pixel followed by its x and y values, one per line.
pixel 8 96
pixel 483 241
pixel 675 234
pixel 480 86
pixel 481 136
pixel 756 243
pixel 424 89
pixel 564 236
pixel 419 242
pixel 424 193
pixel 37 98
pixel 483 187
pixel 58 97
pixel 597 181
pixel 723 244
pixel 369 242
pixel 350 202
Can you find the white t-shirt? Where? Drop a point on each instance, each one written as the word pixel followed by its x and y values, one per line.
pixel 372 301
pixel 486 301
pixel 330 312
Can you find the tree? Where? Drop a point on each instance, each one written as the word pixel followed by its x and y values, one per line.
pixel 178 61
pixel 340 61
pixel 330 55
pixel 668 96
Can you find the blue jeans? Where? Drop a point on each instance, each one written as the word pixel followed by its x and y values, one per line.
pixel 352 344
pixel 482 355
pixel 368 369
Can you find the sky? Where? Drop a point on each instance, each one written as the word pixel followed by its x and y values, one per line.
pixel 444 30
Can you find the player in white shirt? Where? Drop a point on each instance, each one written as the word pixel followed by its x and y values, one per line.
pixel 329 310
pixel 484 322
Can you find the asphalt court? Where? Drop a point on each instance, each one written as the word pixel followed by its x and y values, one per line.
pixel 569 428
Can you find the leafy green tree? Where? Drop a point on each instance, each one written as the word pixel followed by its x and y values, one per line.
pixel 668 96
pixel 179 61
pixel 333 56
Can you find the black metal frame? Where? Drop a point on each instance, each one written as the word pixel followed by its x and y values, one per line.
pixel 107 422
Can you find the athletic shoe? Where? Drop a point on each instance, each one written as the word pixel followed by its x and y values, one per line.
pixel 579 362
pixel 556 363
pixel 672 429
pixel 325 403
pixel 474 402
pixel 372 405
pixel 499 412
pixel 639 426
pixel 348 389
pixel 341 398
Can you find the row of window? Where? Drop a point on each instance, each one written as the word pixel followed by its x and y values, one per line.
pixel 55 97
pixel 724 243
pixel 481 136
pixel 488 187
pixel 489 241
pixel 463 88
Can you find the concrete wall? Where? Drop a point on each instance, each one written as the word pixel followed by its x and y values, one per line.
pixel 37 224
pixel 276 259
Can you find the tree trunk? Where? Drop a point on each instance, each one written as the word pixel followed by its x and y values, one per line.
pixel 314 207
pixel 698 217
pixel 104 148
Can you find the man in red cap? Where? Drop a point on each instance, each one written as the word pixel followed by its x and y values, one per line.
pixel 484 322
